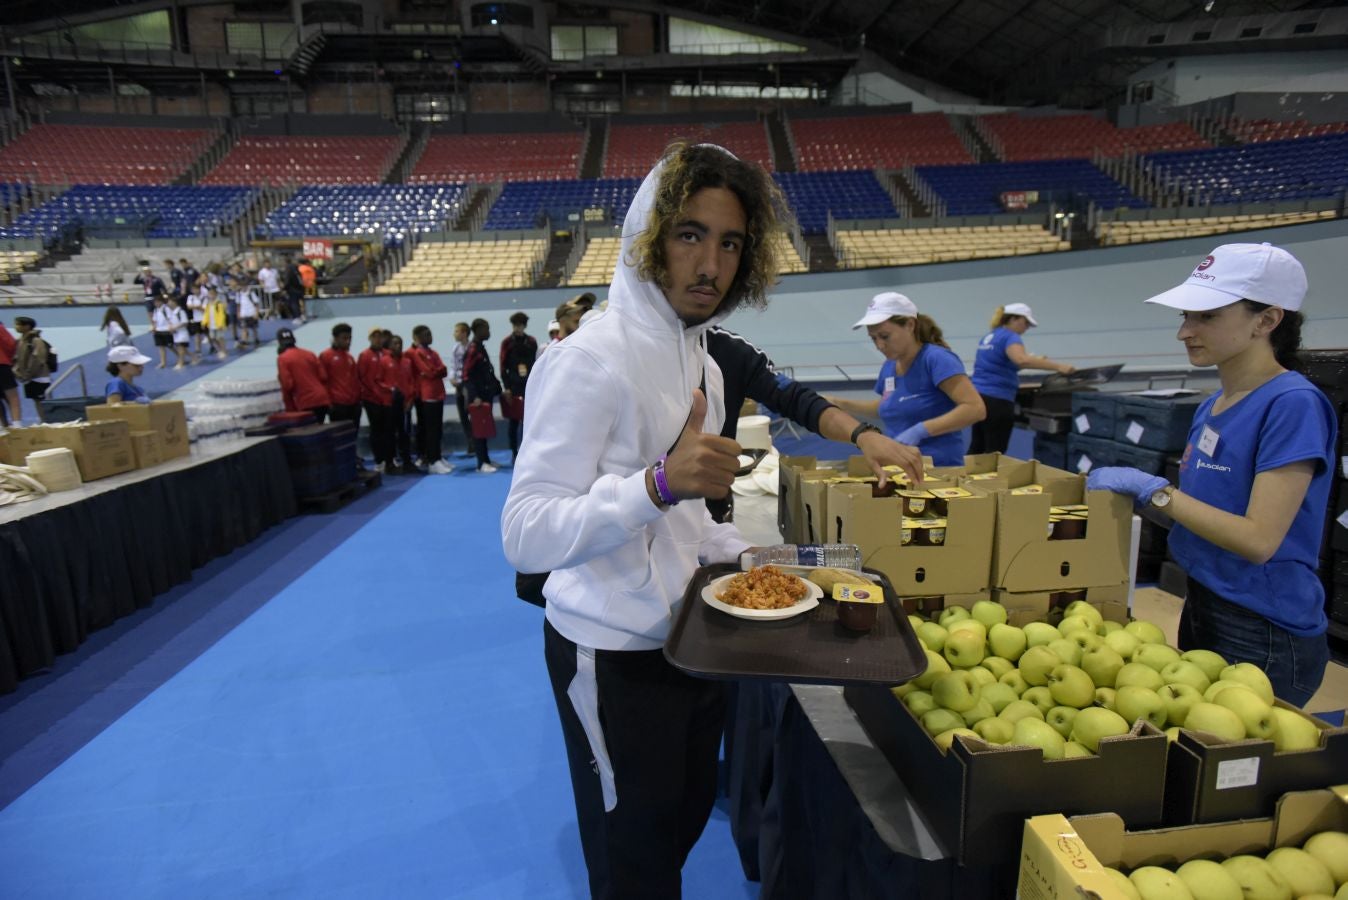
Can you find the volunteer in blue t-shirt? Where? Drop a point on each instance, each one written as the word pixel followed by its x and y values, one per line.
pixel 125 362
pixel 1001 355
pixel 925 400
pixel 1254 481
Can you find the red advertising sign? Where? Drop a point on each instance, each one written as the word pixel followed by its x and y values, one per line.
pixel 1017 200
pixel 317 248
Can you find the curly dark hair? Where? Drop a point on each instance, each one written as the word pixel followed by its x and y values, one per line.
pixel 690 168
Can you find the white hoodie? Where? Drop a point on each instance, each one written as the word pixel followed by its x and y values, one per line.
pixel 604 405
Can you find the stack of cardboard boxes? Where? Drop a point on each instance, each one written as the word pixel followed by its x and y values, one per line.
pixel 116 439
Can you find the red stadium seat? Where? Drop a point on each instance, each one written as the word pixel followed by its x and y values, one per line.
pixel 71 154
pixel 279 160
pixel 454 158
pixel 633 149
pixel 868 142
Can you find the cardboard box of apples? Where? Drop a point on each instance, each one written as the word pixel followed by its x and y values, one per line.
pixel 1301 852
pixel 1085 716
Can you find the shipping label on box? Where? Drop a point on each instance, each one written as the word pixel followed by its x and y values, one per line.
pixel 148 448
pixel 167 417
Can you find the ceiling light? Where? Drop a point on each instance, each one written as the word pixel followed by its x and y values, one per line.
pixel 1207 7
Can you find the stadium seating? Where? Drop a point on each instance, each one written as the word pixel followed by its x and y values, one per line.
pixel 13 262
pixel 848 195
pixel 975 190
pixel 108 274
pixel 527 205
pixel 600 259
pixel 866 248
pixel 499 157
pixel 1157 138
pixel 1137 231
pixel 307 160
pixel 1254 131
pixel 868 142
pixel 69 154
pixel 1276 170
pixel 1015 138
pixel 390 210
pixel 634 149
pixel 156 211
pixel 469 266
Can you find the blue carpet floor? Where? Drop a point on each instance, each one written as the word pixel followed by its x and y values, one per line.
pixel 353 706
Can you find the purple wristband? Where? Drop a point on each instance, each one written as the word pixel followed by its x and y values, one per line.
pixel 662 485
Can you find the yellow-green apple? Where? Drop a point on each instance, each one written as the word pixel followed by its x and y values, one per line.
pixel 1070 624
pixel 1301 870
pixel 957 691
pixel 1133 703
pixel 1156 883
pixel 936 667
pixel 995 730
pixel 952 614
pixel 1211 663
pixel 916 621
pixel 998 695
pixel 919 702
pixel 1073 750
pixel 1215 720
pixel 1067 651
pixel 1095 723
pixel 1178 700
pixel 1036 663
pixel 1257 879
pixel 1122 885
pixel 1123 643
pixel 982 710
pixel 1255 714
pixel 1172 734
pixel 1070 686
pixel 903 690
pixel 1104 698
pixel 1032 732
pixel 1061 718
pixel 988 612
pixel 1294 731
pixel 973 625
pixel 1331 848
pixel 1222 685
pixel 1102 664
pixel 983 676
pixel 1019 709
pixel 1015 681
pixel 1207 880
pixel 939 720
pixel 1139 675
pixel 1145 632
pixel 1158 656
pixel 1108 627
pixel 1007 641
pixel 1086 640
pixel 1039 633
pixel 963 649
pixel 1041 697
pixel 1252 677
pixel 931 635
pixel 1181 671
pixel 998 665
pixel 946 738
pixel 1084 609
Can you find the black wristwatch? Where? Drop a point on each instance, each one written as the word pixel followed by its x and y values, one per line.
pixel 862 429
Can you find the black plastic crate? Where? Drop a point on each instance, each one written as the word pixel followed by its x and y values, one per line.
pixel 1093 413
pixel 1153 462
pixel 1086 453
pixel 1328 368
pixel 1051 450
pixel 1155 423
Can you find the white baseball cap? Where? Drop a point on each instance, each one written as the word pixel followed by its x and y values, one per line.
pixel 1019 309
pixel 884 307
pixel 1259 272
pixel 125 353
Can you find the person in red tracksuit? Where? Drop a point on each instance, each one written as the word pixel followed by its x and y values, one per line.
pixel 343 382
pixel 430 393
pixel 401 380
pixel 304 383
pixel 377 398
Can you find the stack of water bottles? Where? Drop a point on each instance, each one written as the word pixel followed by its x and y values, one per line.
pixel 220 411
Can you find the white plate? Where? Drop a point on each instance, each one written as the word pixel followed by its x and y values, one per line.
pixel 716 586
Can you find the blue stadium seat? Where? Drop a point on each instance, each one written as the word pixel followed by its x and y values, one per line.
pixel 165 211
pixel 391 210
pixel 525 205
pixel 1276 170
pixel 975 190
pixel 848 195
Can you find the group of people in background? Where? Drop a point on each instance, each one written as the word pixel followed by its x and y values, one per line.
pixel 28 360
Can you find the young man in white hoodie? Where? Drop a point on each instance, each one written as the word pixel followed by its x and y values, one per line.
pixel 624 428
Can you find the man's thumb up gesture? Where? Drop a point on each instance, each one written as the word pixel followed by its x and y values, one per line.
pixel 701 465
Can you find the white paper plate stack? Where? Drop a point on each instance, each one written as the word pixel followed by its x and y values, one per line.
pixel 55 468
pixel 17 484
pixel 762 480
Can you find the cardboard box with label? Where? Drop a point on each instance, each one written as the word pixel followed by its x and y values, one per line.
pixel 977 796
pixel 799 525
pixel 148 447
pixel 1211 781
pixel 101 448
pixel 167 417
pixel 1047 606
pixel 1064 858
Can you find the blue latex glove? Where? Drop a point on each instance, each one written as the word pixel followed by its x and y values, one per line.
pixel 1124 480
pixel 913 435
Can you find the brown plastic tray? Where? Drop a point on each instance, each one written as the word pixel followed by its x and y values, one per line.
pixel 812 648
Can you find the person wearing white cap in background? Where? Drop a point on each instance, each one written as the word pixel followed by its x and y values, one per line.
pixel 997 364
pixel 125 362
pixel 926 400
pixel 1254 481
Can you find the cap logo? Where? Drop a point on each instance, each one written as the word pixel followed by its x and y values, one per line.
pixel 1200 274
pixel 1207 261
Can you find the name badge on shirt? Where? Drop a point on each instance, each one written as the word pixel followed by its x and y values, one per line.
pixel 1207 441
pixel 889 384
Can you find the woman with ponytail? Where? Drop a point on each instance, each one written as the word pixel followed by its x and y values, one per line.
pixel 925 399
pixel 1001 355
pixel 1254 482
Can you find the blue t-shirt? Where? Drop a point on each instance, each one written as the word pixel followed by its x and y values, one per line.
pixel 995 375
pixel 130 393
pixel 1283 421
pixel 916 397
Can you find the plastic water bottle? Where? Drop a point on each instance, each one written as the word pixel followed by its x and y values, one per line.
pixel 836 556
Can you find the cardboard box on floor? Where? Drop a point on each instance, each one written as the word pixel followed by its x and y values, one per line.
pixel 977 796
pixel 792 519
pixel 4 450
pixel 1065 857
pixel 1211 781
pixel 101 448
pixel 148 448
pixel 168 417
pixel 1046 606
